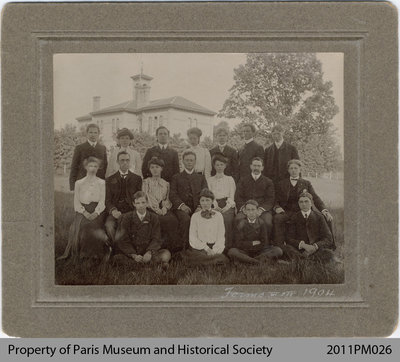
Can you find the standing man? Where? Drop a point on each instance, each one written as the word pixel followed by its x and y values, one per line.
pixel 231 155
pixel 90 148
pixel 164 152
pixel 120 188
pixel 259 188
pixel 250 150
pixel 185 194
pixel 278 155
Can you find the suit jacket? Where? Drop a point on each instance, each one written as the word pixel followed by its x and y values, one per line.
pixel 113 189
pixel 262 191
pixel 82 152
pixel 183 185
pixel 246 154
pixel 169 156
pixel 138 237
pixel 312 230
pixel 283 189
pixel 247 233
pixel 232 167
pixel 286 153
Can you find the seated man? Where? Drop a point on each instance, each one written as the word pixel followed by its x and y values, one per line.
pixel 206 235
pixel 287 194
pixel 140 235
pixel 120 188
pixel 259 188
pixel 251 245
pixel 185 194
pixel 308 233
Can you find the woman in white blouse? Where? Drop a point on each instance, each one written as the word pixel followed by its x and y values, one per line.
pixel 224 188
pixel 206 234
pixel 203 157
pixel 157 191
pixel 124 139
pixel 87 237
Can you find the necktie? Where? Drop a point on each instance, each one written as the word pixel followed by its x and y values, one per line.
pixel 306 216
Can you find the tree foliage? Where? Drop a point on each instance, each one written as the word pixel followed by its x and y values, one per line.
pixel 65 140
pixel 287 89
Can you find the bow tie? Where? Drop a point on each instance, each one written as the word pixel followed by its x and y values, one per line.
pixel 123 175
pixel 207 214
pixel 294 179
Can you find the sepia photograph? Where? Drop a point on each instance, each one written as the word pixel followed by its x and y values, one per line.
pixel 198 168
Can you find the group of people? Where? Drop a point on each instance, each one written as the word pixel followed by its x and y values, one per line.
pixel 247 205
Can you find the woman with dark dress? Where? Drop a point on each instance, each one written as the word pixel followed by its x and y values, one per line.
pixel 87 236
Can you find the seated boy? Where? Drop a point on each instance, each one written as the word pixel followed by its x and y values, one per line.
pixel 140 239
pixel 206 234
pixel 308 233
pixel 251 244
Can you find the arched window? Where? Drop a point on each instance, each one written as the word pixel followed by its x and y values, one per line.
pixel 161 121
pixel 150 124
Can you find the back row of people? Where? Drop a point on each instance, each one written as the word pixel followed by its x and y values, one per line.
pixel 275 157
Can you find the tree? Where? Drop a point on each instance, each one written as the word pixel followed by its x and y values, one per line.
pixel 286 89
pixel 65 141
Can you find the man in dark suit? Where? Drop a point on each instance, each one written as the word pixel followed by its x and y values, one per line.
pixel 287 194
pixel 232 166
pixel 278 155
pixel 164 152
pixel 185 194
pixel 90 148
pixel 120 188
pixel 140 240
pixel 251 244
pixel 308 233
pixel 250 150
pixel 259 188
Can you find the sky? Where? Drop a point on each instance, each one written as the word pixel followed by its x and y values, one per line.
pixel 204 78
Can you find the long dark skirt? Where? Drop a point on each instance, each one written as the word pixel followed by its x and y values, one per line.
pixel 87 238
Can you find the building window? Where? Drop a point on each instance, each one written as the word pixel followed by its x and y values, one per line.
pixel 114 125
pixel 161 121
pixel 195 122
pixel 150 124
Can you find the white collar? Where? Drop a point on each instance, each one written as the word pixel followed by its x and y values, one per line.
pixel 163 147
pixel 93 144
pixel 279 144
pixel 123 174
pixel 255 177
pixel 195 147
pixel 248 141
pixel 187 171
pixel 251 222
pixel 306 213
pixel 222 146
pixel 141 216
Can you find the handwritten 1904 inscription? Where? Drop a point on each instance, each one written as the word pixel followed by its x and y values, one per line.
pixel 232 292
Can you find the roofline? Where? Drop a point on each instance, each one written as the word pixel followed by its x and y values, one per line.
pixel 84 118
pixel 144 76
pixel 177 106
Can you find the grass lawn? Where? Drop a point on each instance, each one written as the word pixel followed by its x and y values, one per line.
pixel 69 272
